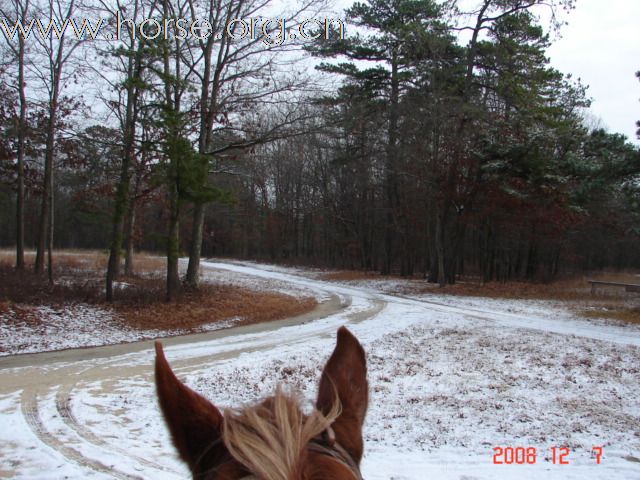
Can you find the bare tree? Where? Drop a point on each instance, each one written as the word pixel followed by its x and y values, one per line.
pixel 128 63
pixel 233 78
pixel 56 53
pixel 19 10
pixel 638 122
pixel 178 148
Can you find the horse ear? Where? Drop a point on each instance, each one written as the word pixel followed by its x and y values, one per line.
pixel 194 422
pixel 345 377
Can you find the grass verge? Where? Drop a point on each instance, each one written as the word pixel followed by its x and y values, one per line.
pixel 139 303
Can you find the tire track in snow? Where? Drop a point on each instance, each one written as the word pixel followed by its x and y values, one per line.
pixel 30 411
pixel 63 407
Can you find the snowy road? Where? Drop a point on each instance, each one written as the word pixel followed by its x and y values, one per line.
pixel 448 384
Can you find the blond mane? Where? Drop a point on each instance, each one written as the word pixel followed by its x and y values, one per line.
pixel 270 438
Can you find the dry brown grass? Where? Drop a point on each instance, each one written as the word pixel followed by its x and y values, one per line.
pixel 614 312
pixel 574 288
pixel 150 264
pixel 608 302
pixel 568 289
pixel 350 275
pixel 87 260
pixel 211 304
pixel 79 278
pixel 64 259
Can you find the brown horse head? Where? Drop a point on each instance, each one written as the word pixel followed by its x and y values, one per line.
pixel 273 440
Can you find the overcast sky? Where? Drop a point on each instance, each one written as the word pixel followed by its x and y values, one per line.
pixel 601 45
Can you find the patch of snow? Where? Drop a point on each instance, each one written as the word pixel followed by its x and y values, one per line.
pixel 79 325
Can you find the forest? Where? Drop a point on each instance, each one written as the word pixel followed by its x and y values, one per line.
pixel 415 138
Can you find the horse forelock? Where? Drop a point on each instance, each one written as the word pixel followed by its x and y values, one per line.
pixel 270 439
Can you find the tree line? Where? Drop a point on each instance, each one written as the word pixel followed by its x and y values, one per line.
pixel 430 140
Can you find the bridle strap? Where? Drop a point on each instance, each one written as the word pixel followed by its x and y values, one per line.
pixel 325 444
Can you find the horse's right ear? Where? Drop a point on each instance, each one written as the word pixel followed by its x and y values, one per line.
pixel 345 379
pixel 194 422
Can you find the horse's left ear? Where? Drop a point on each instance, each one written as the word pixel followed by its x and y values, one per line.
pixel 194 422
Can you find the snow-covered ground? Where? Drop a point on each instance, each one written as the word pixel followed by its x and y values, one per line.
pixel 450 379
pixel 79 325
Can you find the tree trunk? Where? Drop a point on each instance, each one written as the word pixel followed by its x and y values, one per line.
pixel 41 242
pixel 173 246
pixel 390 181
pixel 128 243
pixel 121 201
pixel 134 71
pixel 193 270
pixel 21 147
pixel 119 211
pixel 46 209
pixel 442 275
pixel 50 235
pixel 208 108
pixel 432 242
